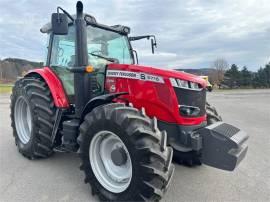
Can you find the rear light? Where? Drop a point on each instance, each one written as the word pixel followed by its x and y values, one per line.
pixel 179 83
pixel 191 111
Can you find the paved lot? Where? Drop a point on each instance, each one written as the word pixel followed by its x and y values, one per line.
pixel 59 179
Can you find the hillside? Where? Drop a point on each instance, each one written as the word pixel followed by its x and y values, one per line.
pixel 11 68
pixel 199 72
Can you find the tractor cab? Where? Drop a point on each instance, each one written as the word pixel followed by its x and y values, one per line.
pixel 104 46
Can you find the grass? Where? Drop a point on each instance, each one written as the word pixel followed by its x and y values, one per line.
pixel 5 88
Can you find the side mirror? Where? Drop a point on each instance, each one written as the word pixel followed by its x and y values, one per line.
pixel 59 23
pixel 153 45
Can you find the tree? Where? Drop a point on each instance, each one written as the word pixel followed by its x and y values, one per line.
pixel 246 77
pixel 267 74
pixel 262 77
pixel 232 77
pixel 221 65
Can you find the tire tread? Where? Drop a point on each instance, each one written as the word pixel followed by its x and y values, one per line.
pixel 40 99
pixel 148 141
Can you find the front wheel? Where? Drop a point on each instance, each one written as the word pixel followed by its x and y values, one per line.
pixel 124 155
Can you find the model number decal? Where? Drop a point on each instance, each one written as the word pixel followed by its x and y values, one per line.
pixel 134 75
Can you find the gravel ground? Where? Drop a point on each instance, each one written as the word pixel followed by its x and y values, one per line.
pixel 59 179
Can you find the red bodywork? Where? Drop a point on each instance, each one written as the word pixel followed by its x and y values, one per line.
pixel 158 99
pixel 55 85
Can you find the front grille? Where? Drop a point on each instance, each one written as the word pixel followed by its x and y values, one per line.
pixel 195 98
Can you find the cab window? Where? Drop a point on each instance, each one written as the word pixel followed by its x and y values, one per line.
pixel 62 57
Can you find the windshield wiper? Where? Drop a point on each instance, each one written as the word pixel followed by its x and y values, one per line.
pixel 114 60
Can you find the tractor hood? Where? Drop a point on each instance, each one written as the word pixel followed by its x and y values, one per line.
pixel 159 72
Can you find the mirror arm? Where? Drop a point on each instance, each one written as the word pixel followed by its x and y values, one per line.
pixel 135 38
pixel 64 11
pixel 152 37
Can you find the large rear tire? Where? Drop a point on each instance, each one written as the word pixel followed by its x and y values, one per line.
pixel 143 169
pixel 32 117
pixel 193 158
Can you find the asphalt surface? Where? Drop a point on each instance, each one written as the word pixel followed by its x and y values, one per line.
pixel 59 179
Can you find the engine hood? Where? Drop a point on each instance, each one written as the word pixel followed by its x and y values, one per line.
pixel 159 72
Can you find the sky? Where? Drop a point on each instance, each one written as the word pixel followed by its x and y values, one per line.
pixel 190 34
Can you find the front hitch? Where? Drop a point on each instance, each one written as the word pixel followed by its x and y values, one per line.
pixel 223 145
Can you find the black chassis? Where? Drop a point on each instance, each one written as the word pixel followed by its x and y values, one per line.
pixel 181 137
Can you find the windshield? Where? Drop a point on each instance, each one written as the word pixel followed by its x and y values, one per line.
pixel 104 43
pixel 107 44
pixel 103 47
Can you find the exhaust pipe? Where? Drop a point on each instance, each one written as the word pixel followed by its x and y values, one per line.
pixel 82 83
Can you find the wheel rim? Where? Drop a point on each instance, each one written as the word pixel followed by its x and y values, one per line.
pixel 23 120
pixel 113 176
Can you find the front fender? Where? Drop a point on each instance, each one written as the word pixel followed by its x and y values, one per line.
pixel 99 100
pixel 55 85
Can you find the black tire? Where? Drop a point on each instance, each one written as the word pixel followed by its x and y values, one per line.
pixel 150 156
pixel 210 89
pixel 193 158
pixel 212 114
pixel 42 108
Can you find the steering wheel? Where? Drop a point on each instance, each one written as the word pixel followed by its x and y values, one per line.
pixel 60 52
pixel 96 52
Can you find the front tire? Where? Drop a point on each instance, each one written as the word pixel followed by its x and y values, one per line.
pixel 32 117
pixel 144 151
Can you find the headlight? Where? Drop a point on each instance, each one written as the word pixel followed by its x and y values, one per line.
pixel 179 83
pixel 182 83
pixel 189 110
pixel 194 85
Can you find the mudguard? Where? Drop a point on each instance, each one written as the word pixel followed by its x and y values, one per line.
pixel 223 145
pixel 55 85
pixel 99 100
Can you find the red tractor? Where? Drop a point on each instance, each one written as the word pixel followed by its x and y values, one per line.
pixel 124 120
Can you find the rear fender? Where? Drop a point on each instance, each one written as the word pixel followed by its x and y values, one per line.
pixel 54 83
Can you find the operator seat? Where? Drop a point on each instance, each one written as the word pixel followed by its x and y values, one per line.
pixel 71 62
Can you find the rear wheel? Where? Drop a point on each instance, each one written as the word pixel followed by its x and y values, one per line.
pixel 32 117
pixel 124 155
pixel 193 158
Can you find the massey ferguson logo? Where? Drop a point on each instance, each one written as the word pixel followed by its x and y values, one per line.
pixel 134 75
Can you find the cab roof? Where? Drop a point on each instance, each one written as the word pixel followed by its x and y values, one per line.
pixel 90 20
